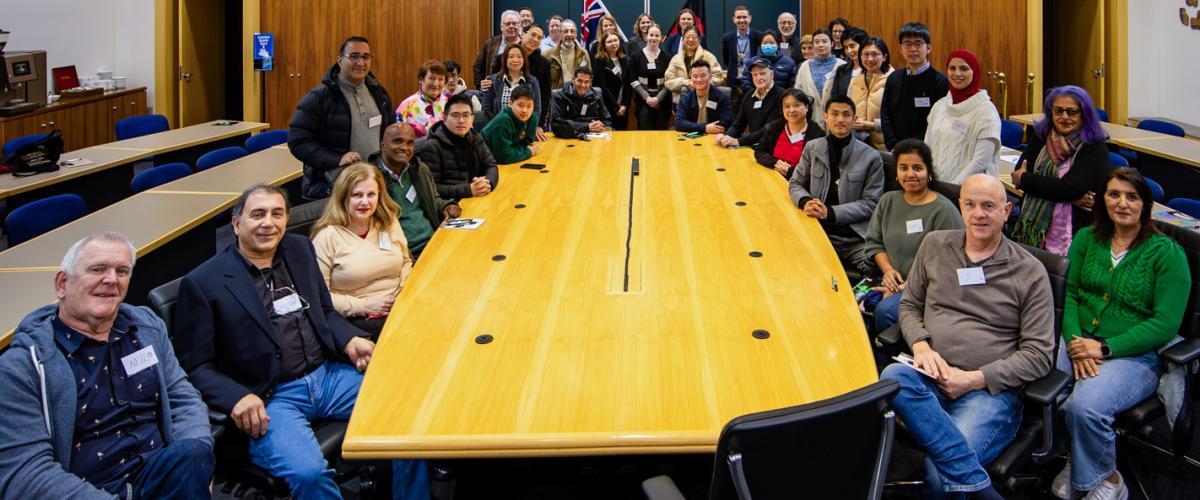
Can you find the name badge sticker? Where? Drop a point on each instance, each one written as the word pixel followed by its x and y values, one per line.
pixel 796 137
pixel 921 102
pixel 757 104
pixel 582 109
pixel 651 65
pixel 385 243
pixel 968 276
pixel 915 226
pixel 411 195
pixel 140 360
pixel 959 127
pixel 288 304
pixel 711 105
pixel 784 45
pixel 375 121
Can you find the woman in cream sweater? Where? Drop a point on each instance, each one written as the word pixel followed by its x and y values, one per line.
pixel 866 89
pixel 964 126
pixel 361 248
pixel 677 79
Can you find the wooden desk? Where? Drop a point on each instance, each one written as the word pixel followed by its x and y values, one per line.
pixel 578 366
pixel 148 219
pixel 1185 151
pixel 272 165
pixel 27 290
pixel 1117 134
pixel 119 153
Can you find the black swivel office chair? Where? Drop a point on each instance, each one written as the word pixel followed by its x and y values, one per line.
pixel 836 448
pixel 1035 439
pixel 232 459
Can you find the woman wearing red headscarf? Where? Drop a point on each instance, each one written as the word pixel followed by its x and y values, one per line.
pixel 964 126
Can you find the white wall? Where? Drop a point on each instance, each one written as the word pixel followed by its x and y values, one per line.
pixel 92 35
pixel 1163 69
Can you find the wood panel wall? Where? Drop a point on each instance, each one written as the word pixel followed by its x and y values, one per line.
pixel 995 30
pixel 402 34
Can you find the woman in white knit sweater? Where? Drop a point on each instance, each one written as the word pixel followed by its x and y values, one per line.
pixel 361 248
pixel 964 126
pixel 678 79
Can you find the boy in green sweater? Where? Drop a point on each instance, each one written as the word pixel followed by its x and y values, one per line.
pixel 511 134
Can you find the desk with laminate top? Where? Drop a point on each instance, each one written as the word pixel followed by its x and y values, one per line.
pixel 584 358
pixel 24 291
pixel 1173 148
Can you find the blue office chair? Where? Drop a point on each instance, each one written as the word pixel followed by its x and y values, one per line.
pixel 265 140
pixel 1152 125
pixel 1186 205
pixel 1102 114
pixel 1011 134
pixel 159 175
pixel 32 219
pixel 137 126
pixel 11 146
pixel 1156 189
pixel 219 156
pixel 1116 160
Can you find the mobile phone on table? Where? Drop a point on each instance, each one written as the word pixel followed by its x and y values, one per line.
pixel 534 166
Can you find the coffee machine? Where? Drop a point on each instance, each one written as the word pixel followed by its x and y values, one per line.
pixel 22 79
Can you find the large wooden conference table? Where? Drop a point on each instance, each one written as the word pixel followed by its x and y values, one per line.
pixel 523 338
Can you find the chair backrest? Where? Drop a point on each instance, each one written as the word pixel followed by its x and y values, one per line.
pixel 302 217
pixel 219 156
pixel 1156 189
pixel 1161 127
pixel 951 191
pixel 1117 161
pixel 162 300
pixel 1190 241
pixel 32 219
pixel 836 448
pixel 889 172
pixel 259 142
pixel 159 175
pixel 1056 269
pixel 1011 134
pixel 1102 114
pixel 137 126
pixel 11 146
pixel 1186 205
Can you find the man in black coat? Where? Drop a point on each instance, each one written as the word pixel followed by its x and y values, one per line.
pixel 578 108
pixel 460 161
pixel 341 121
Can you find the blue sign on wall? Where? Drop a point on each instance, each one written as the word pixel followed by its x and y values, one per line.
pixel 264 51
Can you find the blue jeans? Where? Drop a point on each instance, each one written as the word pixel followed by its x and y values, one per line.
pixel 183 469
pixel 959 435
pixel 1092 406
pixel 289 449
pixel 887 312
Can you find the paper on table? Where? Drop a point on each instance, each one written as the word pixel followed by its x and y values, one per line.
pixel 469 224
pixel 599 135
pixel 74 162
pixel 1010 158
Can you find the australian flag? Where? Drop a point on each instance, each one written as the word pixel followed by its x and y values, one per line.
pixel 589 21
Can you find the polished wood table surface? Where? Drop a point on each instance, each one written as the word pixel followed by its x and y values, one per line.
pixel 578 365
pixel 24 291
pixel 113 154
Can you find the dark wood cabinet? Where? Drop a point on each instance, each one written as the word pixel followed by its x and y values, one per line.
pixel 84 122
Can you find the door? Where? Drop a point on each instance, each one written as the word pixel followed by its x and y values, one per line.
pixel 201 68
pixel 1074 39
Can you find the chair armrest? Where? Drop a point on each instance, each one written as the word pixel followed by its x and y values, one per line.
pixel 1044 391
pixel 217 418
pixel 1183 353
pixel 661 488
pixel 892 336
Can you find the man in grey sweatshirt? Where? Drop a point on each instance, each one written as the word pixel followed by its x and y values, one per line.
pixel 95 404
pixel 979 317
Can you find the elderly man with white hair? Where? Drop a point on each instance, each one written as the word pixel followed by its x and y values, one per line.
pixel 95 403
pixel 485 61
pixel 789 42
pixel 566 57
pixel 979 317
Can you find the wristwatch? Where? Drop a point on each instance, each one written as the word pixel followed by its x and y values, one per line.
pixel 1104 349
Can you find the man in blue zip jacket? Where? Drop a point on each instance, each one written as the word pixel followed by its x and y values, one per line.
pixel 96 404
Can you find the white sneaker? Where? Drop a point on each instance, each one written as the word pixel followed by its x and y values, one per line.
pixel 1061 487
pixel 1109 491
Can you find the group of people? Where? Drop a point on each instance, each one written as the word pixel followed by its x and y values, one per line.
pixel 277 330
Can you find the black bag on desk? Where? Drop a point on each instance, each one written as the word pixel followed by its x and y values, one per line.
pixel 36 157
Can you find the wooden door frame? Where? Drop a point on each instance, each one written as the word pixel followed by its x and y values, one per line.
pixel 1116 56
pixel 1035 59
pixel 166 61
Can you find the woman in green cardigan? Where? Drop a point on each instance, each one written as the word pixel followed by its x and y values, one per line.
pixel 1126 295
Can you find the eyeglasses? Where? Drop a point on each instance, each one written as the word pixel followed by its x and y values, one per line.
pixel 356 57
pixel 913 44
pixel 871 55
pixel 1068 112
pixel 458 116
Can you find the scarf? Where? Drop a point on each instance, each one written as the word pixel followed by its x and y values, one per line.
pixel 973 87
pixel 1036 213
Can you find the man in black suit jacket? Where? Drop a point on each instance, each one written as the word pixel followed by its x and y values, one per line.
pixel 740 45
pixel 259 337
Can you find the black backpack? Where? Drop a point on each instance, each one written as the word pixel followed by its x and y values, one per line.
pixel 36 157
